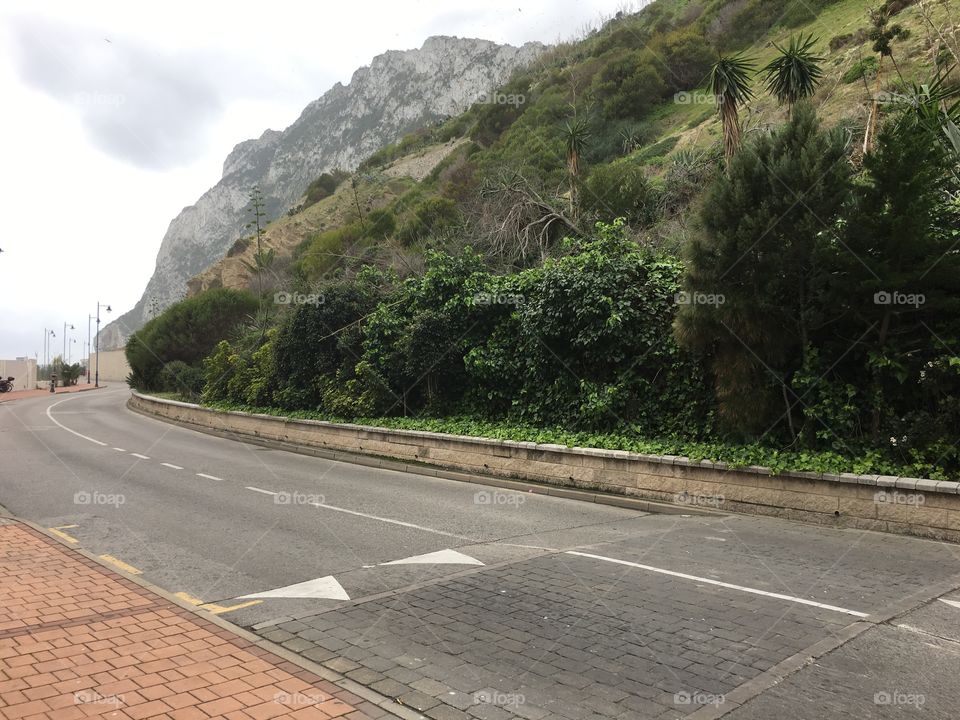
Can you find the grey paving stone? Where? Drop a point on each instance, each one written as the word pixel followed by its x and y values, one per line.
pixel 418 700
pixel 390 688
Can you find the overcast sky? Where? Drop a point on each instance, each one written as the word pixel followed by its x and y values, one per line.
pixel 118 114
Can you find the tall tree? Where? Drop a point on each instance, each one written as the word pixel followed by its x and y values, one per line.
pixel 895 281
pixel 730 84
pixel 751 271
pixel 795 73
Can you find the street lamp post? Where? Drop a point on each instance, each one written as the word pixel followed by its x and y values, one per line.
pixel 96 377
pixel 47 334
pixel 89 346
pixel 65 326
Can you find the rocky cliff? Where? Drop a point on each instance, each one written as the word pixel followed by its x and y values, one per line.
pixel 398 92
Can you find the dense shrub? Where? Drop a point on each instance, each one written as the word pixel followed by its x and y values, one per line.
pixel 588 344
pixel 186 331
pixel 178 377
pixel 619 190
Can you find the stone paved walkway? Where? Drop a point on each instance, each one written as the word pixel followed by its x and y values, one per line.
pixel 78 640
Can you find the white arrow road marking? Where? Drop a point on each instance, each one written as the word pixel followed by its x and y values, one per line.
pixel 441 557
pixel 323 588
pixel 731 586
pixel 953 603
pixel 61 425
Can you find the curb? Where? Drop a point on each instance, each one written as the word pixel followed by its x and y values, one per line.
pixel 384 463
pixel 381 701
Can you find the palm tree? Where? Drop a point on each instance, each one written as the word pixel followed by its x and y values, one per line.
pixel 575 135
pixel 730 85
pixel 795 73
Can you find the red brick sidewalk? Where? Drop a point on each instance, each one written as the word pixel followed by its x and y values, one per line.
pixel 78 640
pixel 20 394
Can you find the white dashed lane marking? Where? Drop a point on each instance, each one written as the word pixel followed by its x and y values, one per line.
pixel 172 467
pixel 138 455
pixel 261 490
pixel 209 477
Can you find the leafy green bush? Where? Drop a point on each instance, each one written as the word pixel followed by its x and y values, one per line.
pixel 184 380
pixel 590 345
pixel 325 185
pixel 186 331
pixel 619 189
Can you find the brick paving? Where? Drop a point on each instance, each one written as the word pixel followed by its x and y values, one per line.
pixel 78 640
pixel 22 394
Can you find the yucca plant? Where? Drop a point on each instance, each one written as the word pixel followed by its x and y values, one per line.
pixel 730 84
pixel 575 133
pixel 795 73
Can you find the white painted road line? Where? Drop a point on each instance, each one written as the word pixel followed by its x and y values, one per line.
pixel 64 427
pixel 209 477
pixel 119 449
pixel 172 467
pixel 261 490
pixel 389 520
pixel 730 586
pixel 951 603
pixel 138 455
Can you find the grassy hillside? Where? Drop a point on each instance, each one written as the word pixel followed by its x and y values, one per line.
pixel 638 84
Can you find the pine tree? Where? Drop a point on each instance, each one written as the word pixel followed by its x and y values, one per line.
pixel 895 289
pixel 752 267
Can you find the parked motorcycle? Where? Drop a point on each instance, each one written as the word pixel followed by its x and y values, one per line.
pixel 7 385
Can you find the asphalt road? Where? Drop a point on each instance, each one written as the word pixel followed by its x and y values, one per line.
pixel 468 601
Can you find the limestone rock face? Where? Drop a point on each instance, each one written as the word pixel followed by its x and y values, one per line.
pixel 398 92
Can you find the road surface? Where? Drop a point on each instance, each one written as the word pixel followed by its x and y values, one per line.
pixel 465 601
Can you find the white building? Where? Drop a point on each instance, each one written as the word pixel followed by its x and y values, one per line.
pixel 24 371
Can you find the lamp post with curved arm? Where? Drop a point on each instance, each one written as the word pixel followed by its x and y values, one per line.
pixel 96 380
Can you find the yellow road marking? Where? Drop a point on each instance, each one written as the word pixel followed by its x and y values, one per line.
pixel 63 535
pixel 219 609
pixel 187 597
pixel 213 607
pixel 121 564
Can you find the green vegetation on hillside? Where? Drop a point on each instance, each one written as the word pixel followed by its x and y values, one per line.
pixel 621 254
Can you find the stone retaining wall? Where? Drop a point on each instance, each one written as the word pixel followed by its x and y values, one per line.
pixel 910 506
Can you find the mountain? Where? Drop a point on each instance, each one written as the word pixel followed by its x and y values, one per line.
pixel 398 92
pixel 496 178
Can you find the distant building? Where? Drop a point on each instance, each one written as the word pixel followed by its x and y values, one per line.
pixel 23 370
